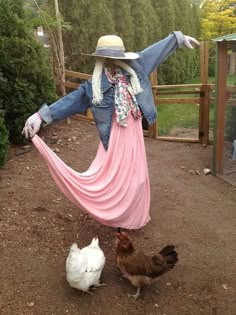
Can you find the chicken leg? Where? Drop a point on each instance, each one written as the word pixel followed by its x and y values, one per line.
pixel 98 285
pixel 135 296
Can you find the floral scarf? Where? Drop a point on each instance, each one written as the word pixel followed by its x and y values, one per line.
pixel 125 100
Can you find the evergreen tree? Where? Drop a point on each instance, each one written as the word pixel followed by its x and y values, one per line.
pixel 194 17
pixel 124 22
pixel 166 14
pixel 186 59
pixel 89 19
pixel 3 140
pixel 140 23
pixel 152 23
pixel 26 80
pixel 138 8
pixel 177 16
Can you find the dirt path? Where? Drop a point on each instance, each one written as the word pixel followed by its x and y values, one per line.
pixel 37 226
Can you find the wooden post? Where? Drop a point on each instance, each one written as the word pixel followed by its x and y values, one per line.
pixel 62 72
pixel 153 130
pixel 61 52
pixel 204 111
pixel 220 106
pixel 204 63
pixel 204 94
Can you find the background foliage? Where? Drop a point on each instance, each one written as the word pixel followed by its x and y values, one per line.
pixel 25 72
pixel 139 22
pixel 26 68
pixel 3 140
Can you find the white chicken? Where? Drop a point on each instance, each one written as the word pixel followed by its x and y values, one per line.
pixel 84 266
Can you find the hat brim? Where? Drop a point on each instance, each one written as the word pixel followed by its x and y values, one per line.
pixel 128 55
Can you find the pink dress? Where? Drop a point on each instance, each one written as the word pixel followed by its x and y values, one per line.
pixel 115 189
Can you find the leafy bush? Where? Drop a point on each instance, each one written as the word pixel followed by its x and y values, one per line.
pixel 3 140
pixel 212 67
pixel 25 73
pixel 231 124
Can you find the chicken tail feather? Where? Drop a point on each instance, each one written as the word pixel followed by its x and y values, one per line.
pixel 169 254
pixel 172 258
pixel 74 247
pixel 167 250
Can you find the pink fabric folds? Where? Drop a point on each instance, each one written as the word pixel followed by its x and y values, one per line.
pixel 115 189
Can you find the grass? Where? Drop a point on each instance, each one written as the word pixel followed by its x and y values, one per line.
pixel 231 80
pixel 176 115
pixel 184 115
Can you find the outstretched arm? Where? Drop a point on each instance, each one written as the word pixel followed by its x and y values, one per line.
pixel 157 53
pixel 73 103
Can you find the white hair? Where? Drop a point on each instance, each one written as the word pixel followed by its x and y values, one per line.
pixel 97 76
pixel 96 81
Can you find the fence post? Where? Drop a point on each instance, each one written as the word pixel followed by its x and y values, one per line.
pixel 220 107
pixel 204 110
pixel 153 130
pixel 204 94
pixel 204 63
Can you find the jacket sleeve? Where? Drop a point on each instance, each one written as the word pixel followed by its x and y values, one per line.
pixel 71 104
pixel 157 53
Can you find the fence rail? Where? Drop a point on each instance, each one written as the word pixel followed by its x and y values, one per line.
pixel 201 96
pixel 198 94
pixel 159 91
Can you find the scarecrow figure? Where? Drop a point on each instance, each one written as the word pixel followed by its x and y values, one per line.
pixel 115 189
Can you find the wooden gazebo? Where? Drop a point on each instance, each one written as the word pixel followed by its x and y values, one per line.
pixel 224 96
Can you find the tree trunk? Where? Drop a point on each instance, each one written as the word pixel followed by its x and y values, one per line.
pixel 61 65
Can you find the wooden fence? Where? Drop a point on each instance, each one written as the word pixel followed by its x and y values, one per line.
pixel 202 98
pixel 199 94
pixel 202 95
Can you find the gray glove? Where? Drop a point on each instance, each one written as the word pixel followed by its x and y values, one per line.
pixel 32 125
pixel 189 41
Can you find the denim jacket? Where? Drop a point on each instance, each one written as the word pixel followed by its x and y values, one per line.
pixel 80 100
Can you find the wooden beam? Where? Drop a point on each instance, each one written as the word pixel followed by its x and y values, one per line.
pixel 178 139
pixel 231 102
pixel 177 100
pixel 78 75
pixel 82 117
pixel 163 87
pixel 230 88
pixel 153 129
pixel 177 92
pixel 204 109
pixel 146 133
pixel 204 56
pixel 72 85
pixel 153 77
pixel 220 106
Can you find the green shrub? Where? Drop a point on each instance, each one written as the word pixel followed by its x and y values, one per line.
pixel 231 124
pixel 231 117
pixel 212 66
pixel 3 140
pixel 25 72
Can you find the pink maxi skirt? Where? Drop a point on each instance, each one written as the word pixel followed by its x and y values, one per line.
pixel 115 190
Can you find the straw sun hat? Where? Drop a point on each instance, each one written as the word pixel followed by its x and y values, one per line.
pixel 112 46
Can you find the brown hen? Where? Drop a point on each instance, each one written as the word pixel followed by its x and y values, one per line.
pixel 140 269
